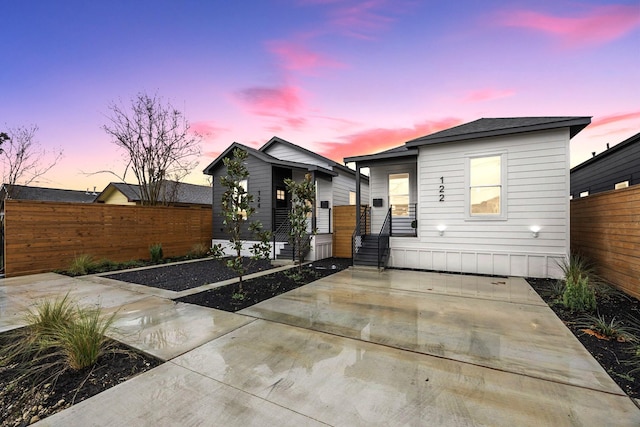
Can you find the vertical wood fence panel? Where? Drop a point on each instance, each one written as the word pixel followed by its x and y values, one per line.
pixel 45 236
pixel 344 222
pixel 605 227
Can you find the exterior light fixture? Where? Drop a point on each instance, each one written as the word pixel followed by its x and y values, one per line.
pixel 441 229
pixel 535 229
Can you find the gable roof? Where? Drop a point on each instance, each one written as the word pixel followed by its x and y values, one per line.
pixel 185 193
pixel 487 127
pixel 277 140
pixel 392 153
pixel 629 141
pixel 43 194
pixel 265 158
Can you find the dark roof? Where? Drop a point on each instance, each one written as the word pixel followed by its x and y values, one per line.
pixel 186 193
pixel 632 140
pixel 24 192
pixel 265 158
pixel 487 127
pixel 392 153
pixel 332 163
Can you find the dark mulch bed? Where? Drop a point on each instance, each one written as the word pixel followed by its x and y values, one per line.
pixel 614 356
pixel 267 286
pixel 119 365
pixel 179 277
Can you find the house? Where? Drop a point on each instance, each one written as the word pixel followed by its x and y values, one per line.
pixel 268 167
pixel 617 167
pixel 42 194
pixel 486 197
pixel 173 194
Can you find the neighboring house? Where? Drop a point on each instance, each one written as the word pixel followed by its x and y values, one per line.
pixel 268 167
pixel 486 197
pixel 173 194
pixel 617 167
pixel 25 192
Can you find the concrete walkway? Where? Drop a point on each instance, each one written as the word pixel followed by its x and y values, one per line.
pixel 355 348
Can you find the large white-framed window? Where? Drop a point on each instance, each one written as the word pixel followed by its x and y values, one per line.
pixel 399 194
pixel 486 186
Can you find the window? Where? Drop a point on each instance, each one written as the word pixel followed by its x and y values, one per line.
pixel 243 183
pixel 623 184
pixel 584 194
pixel 352 197
pixel 399 194
pixel 485 186
pixel 280 194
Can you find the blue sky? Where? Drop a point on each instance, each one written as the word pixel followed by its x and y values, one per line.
pixel 340 77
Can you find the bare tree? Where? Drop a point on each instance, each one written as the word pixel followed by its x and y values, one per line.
pixel 23 159
pixel 156 142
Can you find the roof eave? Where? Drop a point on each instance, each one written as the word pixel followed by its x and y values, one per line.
pixel 382 156
pixel 575 125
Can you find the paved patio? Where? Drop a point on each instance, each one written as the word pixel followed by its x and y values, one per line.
pixel 355 348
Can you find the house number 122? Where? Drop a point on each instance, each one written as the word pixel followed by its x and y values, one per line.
pixel 441 192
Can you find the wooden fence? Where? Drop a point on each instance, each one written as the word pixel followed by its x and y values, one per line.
pixel 344 222
pixel 44 236
pixel 605 227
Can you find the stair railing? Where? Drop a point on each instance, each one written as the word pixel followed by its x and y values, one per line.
pixel 281 234
pixel 383 241
pixel 364 221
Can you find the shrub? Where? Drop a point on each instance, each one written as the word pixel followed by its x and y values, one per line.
pixel 156 253
pixel 81 265
pixel 83 340
pixel 613 329
pixel 199 250
pixel 575 267
pixel 578 295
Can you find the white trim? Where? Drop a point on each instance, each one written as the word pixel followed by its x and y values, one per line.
pixel 504 191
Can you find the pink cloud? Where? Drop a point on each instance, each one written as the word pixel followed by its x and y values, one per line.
pixel 271 101
pixel 488 95
pixel 379 139
pixel 296 57
pixel 599 25
pixel 361 18
pixel 207 129
pixel 614 118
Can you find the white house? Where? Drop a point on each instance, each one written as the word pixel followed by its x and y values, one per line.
pixel 486 197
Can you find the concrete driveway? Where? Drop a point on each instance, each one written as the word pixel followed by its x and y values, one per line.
pixel 355 348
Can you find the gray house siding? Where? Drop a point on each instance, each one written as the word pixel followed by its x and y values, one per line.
pixel 259 185
pixel 603 172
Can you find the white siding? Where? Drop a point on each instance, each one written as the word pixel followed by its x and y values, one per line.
pixel 285 152
pixel 537 187
pixel 323 192
pixel 379 189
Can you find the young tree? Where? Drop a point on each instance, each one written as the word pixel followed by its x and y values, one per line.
pixel 237 209
pixel 302 197
pixel 156 142
pixel 23 160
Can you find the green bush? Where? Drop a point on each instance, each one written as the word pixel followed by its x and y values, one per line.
pixel 612 329
pixel 81 265
pixel 578 295
pixel 156 253
pixel 576 266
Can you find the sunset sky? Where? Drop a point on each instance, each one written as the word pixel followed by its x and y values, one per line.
pixel 339 77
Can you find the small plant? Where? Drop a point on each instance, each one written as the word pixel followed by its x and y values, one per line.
pixel 238 296
pixel 575 267
pixel 199 250
pixel 156 253
pixel 610 330
pixel 578 295
pixel 556 290
pixel 217 251
pixel 81 265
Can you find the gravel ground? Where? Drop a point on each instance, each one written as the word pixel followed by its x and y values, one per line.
pixel 188 275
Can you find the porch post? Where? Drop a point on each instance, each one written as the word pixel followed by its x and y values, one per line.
pixel 314 218
pixel 357 199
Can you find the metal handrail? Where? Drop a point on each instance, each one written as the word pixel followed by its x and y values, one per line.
pixel 356 238
pixel 383 240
